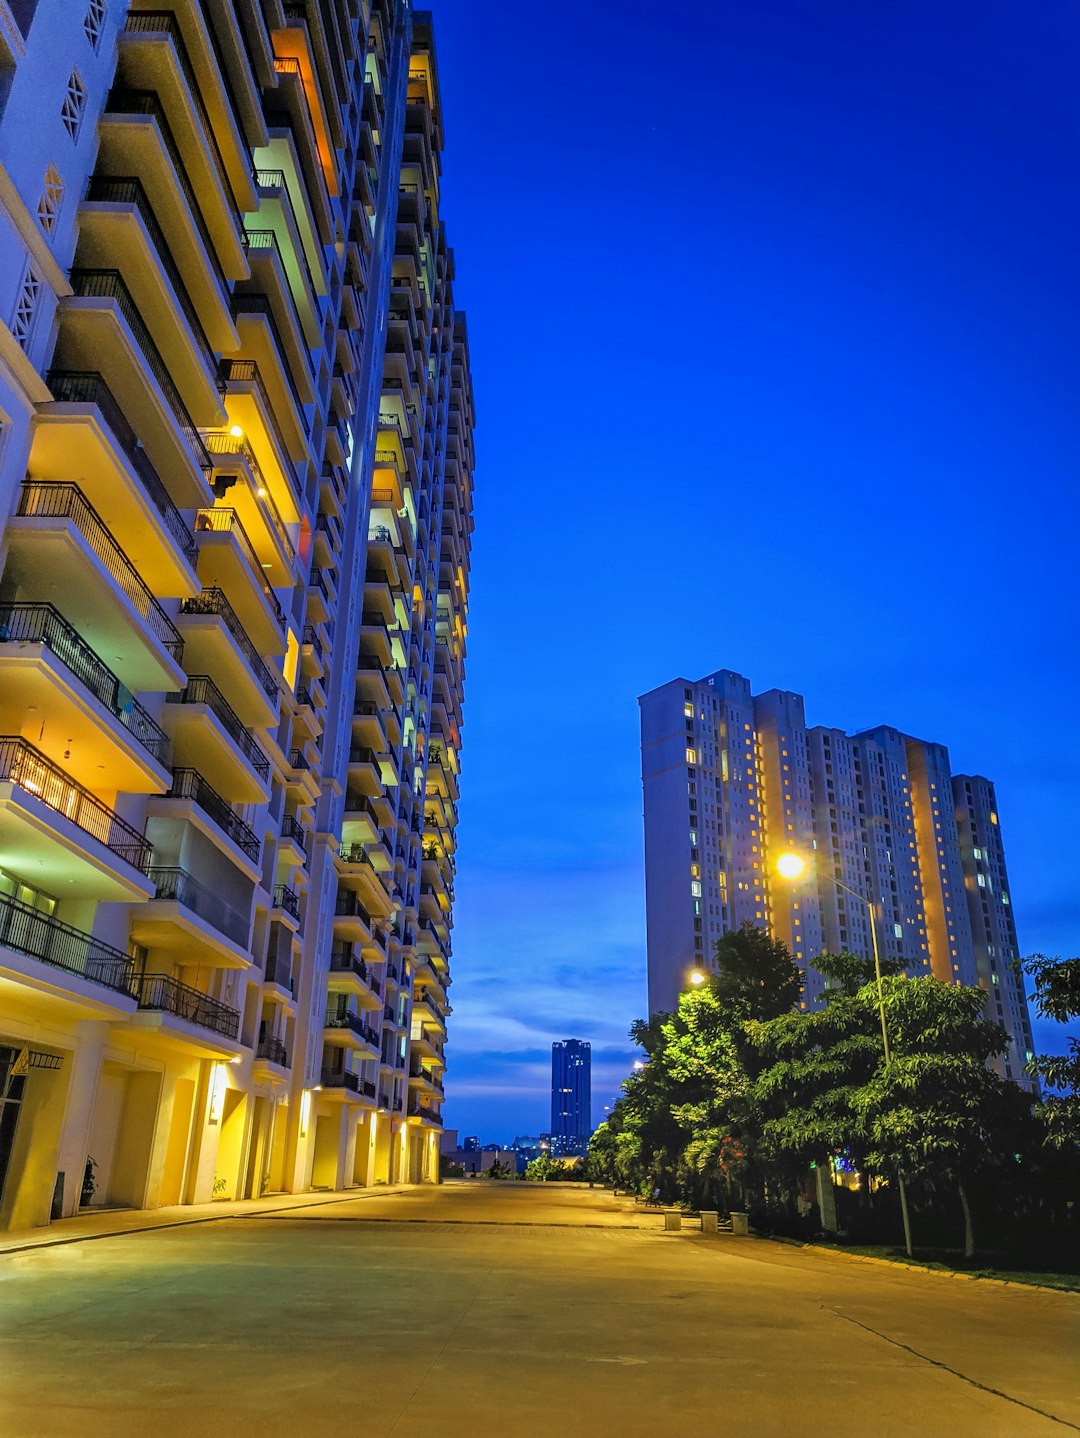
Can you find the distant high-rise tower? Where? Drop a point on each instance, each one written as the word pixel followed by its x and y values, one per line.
pixel 732 779
pixel 571 1096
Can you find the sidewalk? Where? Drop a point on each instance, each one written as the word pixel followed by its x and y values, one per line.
pixel 114 1223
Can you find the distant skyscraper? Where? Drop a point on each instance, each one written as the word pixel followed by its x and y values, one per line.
pixel 571 1096
pixel 732 779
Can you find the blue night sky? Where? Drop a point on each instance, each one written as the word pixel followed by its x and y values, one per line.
pixel 774 312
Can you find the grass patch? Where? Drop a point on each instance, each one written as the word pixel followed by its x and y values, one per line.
pixel 1014 1268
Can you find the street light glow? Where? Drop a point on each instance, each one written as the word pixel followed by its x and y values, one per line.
pixel 697 977
pixel 790 866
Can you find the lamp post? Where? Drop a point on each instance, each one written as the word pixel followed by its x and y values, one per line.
pixel 792 866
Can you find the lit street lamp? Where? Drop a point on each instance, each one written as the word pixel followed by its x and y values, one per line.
pixel 697 978
pixel 793 866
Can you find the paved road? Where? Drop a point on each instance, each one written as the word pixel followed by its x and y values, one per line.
pixel 506 1310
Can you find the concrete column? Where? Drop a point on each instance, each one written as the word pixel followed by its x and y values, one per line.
pixel 709 1222
pixel 84 1065
pixel 672 1221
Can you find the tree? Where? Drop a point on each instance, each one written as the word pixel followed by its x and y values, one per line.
pixel 1057 997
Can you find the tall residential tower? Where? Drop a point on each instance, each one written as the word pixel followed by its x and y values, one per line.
pixel 733 779
pixel 235 497
pixel 571 1096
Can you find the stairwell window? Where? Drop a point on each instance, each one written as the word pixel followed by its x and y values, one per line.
pixel 22 321
pixel 71 112
pixel 52 196
pixel 94 22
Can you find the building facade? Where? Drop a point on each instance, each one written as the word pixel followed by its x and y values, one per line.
pixel 571 1096
pixel 733 779
pixel 235 489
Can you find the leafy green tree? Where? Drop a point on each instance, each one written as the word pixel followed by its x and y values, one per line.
pixel 1057 997
pixel 544 1169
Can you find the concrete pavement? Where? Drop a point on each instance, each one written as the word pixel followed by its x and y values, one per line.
pixel 512 1310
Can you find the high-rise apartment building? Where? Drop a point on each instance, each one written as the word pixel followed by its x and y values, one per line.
pixel 235 496
pixel 571 1096
pixel 734 779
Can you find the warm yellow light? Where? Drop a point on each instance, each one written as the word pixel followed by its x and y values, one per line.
pixel 305 1112
pixel 790 866
pixel 697 977
pixel 236 431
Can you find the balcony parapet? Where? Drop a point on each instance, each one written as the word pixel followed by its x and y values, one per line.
pixel 288 900
pixel 44 624
pixel 190 784
pixel 273 1051
pixel 23 765
pixel 184 889
pixel 201 689
pixel 227 521
pixel 169 995
pixel 67 501
pixel 346 1019
pixel 86 387
pixel 28 931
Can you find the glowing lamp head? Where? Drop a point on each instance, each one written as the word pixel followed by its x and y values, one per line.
pixel 790 866
pixel 697 978
pixel 236 431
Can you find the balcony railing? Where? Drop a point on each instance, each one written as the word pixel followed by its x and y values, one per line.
pixel 28 931
pixel 201 689
pixel 346 1019
pixel 27 767
pixel 343 960
pixel 311 638
pixel 213 601
pixel 181 887
pixel 276 180
pixel 273 1051
pixel 349 1081
pixel 108 285
pixel 354 854
pixel 107 189
pixel 279 970
pixel 232 371
pixel 67 501
pixel 348 906
pixel 288 900
pixel 227 521
pixel 190 784
pixel 44 624
pixel 291 828
pixel 86 387
pixel 244 304
pixel 418 1110
pixel 224 442
pixel 169 995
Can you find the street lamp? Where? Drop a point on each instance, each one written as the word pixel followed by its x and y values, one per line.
pixel 697 978
pixel 793 866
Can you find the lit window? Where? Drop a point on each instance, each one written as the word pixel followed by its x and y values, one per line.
pixel 691 756
pixel 71 112
pixel 688 710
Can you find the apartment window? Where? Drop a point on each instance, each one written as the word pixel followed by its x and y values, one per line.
pixel 14 888
pixel 688 710
pixel 48 210
pixel 691 756
pixel 22 321
pixel 94 22
pixel 71 112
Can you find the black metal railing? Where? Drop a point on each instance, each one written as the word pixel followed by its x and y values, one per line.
pixel 288 900
pixel 419 1110
pixel 243 371
pixel 86 387
pixel 343 960
pixel 245 304
pixel 109 285
pixel 27 767
pixel 332 1079
pixel 127 190
pixel 44 624
pixel 345 1019
pixel 28 931
pixel 190 784
pixel 348 906
pixel 201 689
pixel 354 854
pixel 67 501
pixel 291 828
pixel 213 601
pixel 273 1051
pixel 169 995
pixel 227 521
pixel 180 886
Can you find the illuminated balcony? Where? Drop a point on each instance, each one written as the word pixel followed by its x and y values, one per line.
pixel 252 412
pixel 279 981
pixel 341 1084
pixel 284 370
pixel 228 561
pixel 375 637
pixel 345 1027
pixel 270 278
pixel 285 909
pixel 191 923
pixel 352 921
pixel 154 56
pixel 209 735
pixel 115 475
pixel 102 329
pixel 424 1112
pixel 424 1082
pixel 52 957
pixel 71 842
pixel 271 1057
pixel 60 551
pixel 351 974
pixel 297 241
pixel 300 94
pixel 218 644
pixel 192 798
pixel 178 1011
pixel 47 668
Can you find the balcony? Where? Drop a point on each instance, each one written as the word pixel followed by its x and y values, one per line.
pixel 28 932
pixel 63 834
pixel 228 561
pixel 218 643
pixel 299 250
pixel 116 476
pixel 191 788
pixel 272 1051
pixel 340 1083
pixel 253 412
pixel 286 374
pixel 350 974
pixel 422 1111
pixel 280 978
pixel 342 1027
pixel 46 667
pixel 192 923
pixel 273 537
pixel 61 551
pixel 166 995
pixel 287 901
pixel 294 837
pixel 210 736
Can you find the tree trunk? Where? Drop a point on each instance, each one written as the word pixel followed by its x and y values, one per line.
pixel 969 1231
